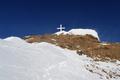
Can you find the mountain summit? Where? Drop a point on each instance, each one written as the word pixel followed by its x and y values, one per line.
pixel 85 41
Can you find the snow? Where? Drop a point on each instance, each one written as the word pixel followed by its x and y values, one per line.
pixel 44 61
pixel 84 32
pixel 104 44
pixel 61 32
pixel 80 32
pixel 15 39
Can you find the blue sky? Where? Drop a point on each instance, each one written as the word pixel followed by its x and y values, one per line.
pixel 24 17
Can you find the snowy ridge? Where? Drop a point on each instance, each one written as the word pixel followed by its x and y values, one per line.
pixel 80 32
pixel 15 39
pixel 44 61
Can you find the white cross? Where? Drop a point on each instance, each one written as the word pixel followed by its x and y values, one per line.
pixel 61 28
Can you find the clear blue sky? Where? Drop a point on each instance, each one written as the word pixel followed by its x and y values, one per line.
pixel 24 17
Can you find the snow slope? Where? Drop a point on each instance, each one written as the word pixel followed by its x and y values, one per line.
pixel 80 32
pixel 44 61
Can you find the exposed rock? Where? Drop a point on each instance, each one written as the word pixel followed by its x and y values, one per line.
pixel 87 44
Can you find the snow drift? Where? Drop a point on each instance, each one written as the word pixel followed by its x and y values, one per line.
pixel 80 32
pixel 44 61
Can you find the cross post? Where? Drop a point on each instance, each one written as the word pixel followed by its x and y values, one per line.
pixel 61 28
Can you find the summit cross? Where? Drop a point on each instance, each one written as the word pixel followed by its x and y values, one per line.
pixel 61 28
